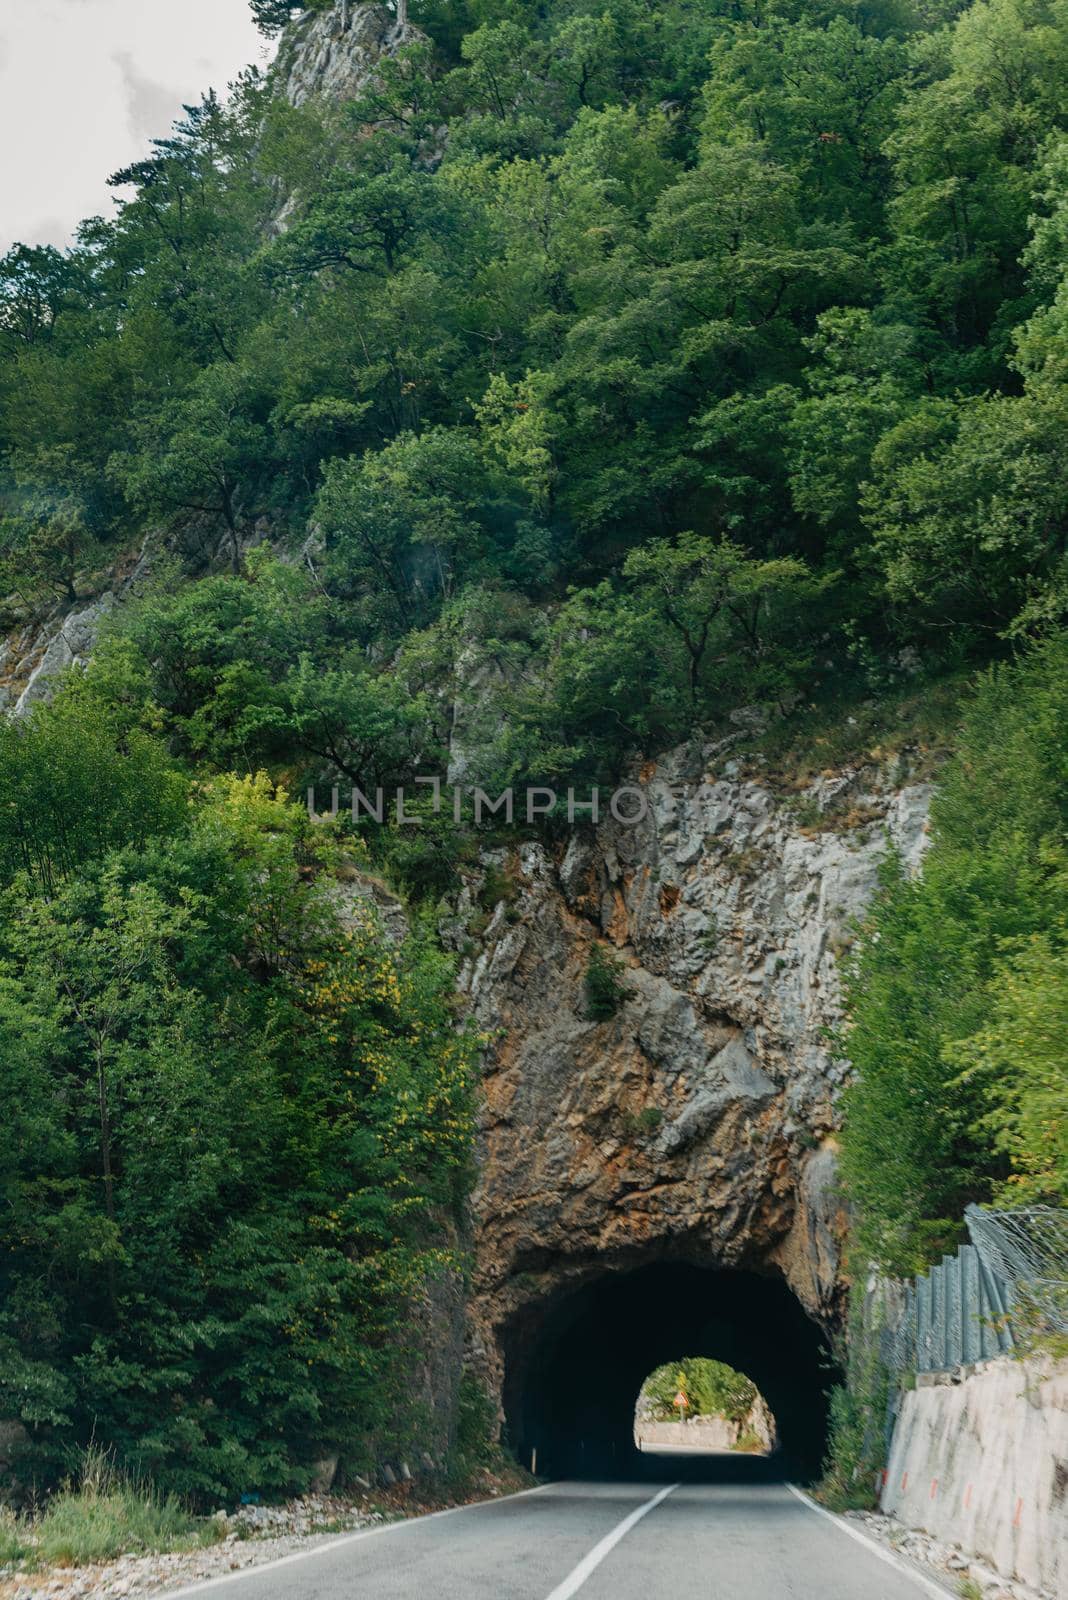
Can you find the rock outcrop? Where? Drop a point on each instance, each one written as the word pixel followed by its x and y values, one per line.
pixel 35 656
pixel 697 1123
pixel 332 54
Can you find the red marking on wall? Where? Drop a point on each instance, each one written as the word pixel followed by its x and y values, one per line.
pixel 1019 1514
pixel 904 1482
pixel 934 1487
pixel 967 1497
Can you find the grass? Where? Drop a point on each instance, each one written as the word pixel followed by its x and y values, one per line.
pixel 13 1546
pixel 107 1515
pixel 842 729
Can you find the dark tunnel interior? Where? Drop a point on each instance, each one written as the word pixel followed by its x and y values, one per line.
pixel 573 1371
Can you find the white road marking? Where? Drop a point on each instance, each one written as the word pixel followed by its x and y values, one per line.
pixel 930 1585
pixel 254 1570
pixel 574 1580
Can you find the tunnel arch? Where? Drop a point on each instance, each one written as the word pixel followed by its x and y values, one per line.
pixel 574 1363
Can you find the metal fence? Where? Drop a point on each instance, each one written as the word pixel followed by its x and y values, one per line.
pixel 1028 1251
pixel 962 1311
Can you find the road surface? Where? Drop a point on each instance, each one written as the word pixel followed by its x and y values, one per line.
pixel 600 1541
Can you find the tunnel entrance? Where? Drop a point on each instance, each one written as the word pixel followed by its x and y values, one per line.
pixel 572 1372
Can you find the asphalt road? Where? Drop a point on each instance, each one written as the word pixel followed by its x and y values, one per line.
pixel 602 1541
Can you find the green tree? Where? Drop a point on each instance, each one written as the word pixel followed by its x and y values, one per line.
pixel 720 605
pixel 1017 1062
pixel 202 458
pixel 936 969
pixel 78 777
pixel 241 1124
pixel 712 1389
pixel 403 525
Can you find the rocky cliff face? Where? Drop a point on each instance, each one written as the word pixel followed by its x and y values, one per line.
pixel 332 54
pixel 698 1122
pixel 34 657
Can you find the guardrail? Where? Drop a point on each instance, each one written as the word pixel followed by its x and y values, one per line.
pixel 962 1310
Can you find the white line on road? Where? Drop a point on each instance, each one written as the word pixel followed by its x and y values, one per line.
pixel 574 1580
pixel 880 1550
pixel 256 1569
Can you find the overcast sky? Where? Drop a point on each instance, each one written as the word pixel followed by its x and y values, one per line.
pixel 85 84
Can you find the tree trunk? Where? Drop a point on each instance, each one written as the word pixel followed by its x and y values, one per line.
pixel 402 13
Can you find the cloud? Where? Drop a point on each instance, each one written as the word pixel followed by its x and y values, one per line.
pixel 151 107
pixel 46 230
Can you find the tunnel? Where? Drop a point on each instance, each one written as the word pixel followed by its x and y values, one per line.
pixel 574 1366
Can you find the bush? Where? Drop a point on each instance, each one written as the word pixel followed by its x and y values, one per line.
pixel 856 1450
pixel 964 968
pixel 240 1137
pixel 605 989
pixel 476 1417
pixel 111 1515
pixel 748 1443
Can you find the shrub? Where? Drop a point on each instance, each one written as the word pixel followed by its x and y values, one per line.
pixel 473 1444
pixel 605 989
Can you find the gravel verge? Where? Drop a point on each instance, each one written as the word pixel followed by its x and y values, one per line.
pixel 964 1574
pixel 250 1536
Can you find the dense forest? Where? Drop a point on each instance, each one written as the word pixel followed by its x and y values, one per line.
pixel 660 358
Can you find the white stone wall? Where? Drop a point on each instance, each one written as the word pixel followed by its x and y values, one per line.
pixel 981 1462
pixel 702 1433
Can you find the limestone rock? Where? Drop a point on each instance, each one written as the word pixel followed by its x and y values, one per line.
pixel 70 643
pixel 330 56
pixel 699 1121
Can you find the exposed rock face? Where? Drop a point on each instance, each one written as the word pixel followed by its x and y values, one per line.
pixel 33 659
pixel 698 1122
pixel 332 54
pixel 70 643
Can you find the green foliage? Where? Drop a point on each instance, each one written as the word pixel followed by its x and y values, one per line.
pixel 473 1442
pixel 110 1515
pixel 964 969
pixel 271 16
pixel 712 1389
pixel 1017 1062
pixel 857 1438
pixel 249 670
pixel 637 363
pixel 14 1545
pixel 605 987
pixel 729 343
pixel 241 1124
pixel 79 776
pixel 101 1515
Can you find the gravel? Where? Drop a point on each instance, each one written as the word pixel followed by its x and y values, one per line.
pixel 953 1565
pixel 253 1535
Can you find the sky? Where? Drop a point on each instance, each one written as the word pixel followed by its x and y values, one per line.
pixel 84 86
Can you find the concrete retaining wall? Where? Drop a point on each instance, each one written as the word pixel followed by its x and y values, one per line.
pixel 707 1433
pixel 703 1433
pixel 979 1459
